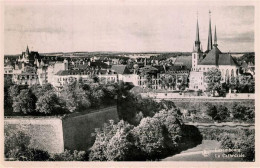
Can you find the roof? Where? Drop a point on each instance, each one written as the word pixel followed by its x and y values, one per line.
pixel 177 68
pixel 212 57
pixel 85 66
pixel 215 57
pixel 69 72
pixel 120 69
pixel 99 64
pixel 183 60
pixel 226 59
pixel 83 72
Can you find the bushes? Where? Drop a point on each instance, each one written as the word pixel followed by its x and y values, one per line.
pixel 150 137
pixel 154 138
pixel 131 107
pixel 238 112
pixel 16 146
pixel 68 155
pixel 241 139
pixel 243 113
pixel 113 142
pixel 244 141
pixel 44 100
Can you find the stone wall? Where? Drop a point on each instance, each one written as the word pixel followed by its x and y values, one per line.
pixel 77 129
pixel 45 132
pixel 55 134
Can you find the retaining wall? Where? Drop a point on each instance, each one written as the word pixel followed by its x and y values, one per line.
pixel 55 134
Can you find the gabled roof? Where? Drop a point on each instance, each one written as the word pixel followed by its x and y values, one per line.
pixel 120 69
pixel 212 57
pixel 226 59
pixel 215 57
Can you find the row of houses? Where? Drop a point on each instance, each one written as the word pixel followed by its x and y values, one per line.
pixel 31 69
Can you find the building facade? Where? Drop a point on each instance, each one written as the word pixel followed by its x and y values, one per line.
pixel 211 58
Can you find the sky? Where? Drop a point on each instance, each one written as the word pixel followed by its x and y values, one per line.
pixel 120 27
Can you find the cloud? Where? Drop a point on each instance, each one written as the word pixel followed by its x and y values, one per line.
pixel 246 37
pixel 34 30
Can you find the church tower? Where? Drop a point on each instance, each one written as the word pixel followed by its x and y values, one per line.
pixel 197 52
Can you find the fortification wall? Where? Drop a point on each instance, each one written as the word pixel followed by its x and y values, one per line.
pixel 46 133
pixel 77 129
pixel 55 134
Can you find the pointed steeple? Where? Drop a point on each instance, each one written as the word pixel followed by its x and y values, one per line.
pixel 197 32
pixel 27 50
pixel 215 37
pixel 197 40
pixel 210 35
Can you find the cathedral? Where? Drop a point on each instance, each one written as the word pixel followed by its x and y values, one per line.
pixel 211 58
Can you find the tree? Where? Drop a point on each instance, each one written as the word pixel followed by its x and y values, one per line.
pixel 16 146
pixel 168 80
pixel 121 146
pixel 212 111
pixel 243 113
pixel 244 140
pixel 68 155
pixel 223 113
pixel 169 118
pixel 75 98
pixel 114 142
pixel 213 78
pixel 110 91
pixel 150 138
pixel 14 91
pixel 49 103
pixel 24 102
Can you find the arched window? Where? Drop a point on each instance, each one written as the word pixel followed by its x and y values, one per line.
pixel 232 72
pixel 227 74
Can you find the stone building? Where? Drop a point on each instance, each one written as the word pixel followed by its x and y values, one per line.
pixel 211 58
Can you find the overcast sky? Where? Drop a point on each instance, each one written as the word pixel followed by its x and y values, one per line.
pixel 136 28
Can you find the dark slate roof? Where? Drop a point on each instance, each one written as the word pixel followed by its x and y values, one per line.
pixel 85 66
pixel 215 57
pixel 84 72
pixel 184 60
pixel 226 59
pixel 160 68
pixel 212 57
pixel 177 68
pixel 120 69
pixel 99 64
pixel 69 72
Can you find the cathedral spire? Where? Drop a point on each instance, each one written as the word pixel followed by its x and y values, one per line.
pixel 197 30
pixel 215 37
pixel 210 34
pixel 27 50
pixel 197 40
